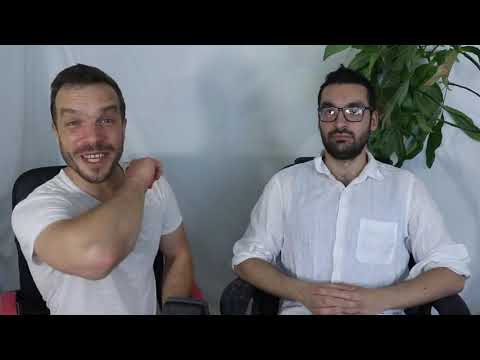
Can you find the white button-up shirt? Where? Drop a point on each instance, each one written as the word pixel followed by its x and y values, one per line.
pixel 317 229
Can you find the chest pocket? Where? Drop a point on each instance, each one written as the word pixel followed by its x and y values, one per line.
pixel 376 241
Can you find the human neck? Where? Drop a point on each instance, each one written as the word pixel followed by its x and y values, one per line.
pixel 346 170
pixel 102 191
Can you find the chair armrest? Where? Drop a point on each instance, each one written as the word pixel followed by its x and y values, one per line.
pixel 238 295
pixel 185 306
pixel 451 305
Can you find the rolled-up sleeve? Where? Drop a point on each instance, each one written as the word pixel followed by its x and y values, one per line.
pixel 429 240
pixel 264 236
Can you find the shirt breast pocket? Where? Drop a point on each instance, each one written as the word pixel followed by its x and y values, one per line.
pixel 376 241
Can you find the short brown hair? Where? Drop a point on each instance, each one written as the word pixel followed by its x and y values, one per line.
pixel 82 75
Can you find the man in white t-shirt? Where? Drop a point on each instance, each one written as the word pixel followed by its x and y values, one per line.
pixel 343 226
pixel 90 235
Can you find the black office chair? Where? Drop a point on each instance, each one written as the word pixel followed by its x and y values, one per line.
pixel 239 295
pixel 29 299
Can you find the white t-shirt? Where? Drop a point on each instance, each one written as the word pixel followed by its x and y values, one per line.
pixel 363 234
pixel 130 287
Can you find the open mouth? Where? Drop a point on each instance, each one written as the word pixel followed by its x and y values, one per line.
pixel 94 158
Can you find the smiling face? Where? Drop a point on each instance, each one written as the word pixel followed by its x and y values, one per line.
pixel 90 130
pixel 345 140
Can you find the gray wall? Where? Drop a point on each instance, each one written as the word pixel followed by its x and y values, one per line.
pixel 224 119
pixel 12 116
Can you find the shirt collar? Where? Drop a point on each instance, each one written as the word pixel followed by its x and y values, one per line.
pixel 370 170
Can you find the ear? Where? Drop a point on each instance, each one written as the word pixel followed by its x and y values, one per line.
pixel 374 121
pixel 54 128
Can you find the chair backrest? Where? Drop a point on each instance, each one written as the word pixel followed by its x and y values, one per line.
pixel 29 299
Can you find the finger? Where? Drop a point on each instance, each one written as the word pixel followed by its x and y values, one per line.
pixel 341 286
pixel 352 311
pixel 327 311
pixel 337 293
pixel 327 301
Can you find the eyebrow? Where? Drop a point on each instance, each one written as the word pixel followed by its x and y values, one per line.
pixel 354 103
pixel 76 112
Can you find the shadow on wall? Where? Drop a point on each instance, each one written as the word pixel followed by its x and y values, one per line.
pixel 218 187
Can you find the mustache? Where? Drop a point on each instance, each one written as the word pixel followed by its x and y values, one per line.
pixel 340 132
pixel 94 147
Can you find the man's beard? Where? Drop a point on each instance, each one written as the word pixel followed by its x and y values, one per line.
pixel 100 176
pixel 345 150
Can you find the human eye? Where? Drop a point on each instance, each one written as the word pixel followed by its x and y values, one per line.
pixel 329 111
pixel 72 123
pixel 105 121
pixel 354 110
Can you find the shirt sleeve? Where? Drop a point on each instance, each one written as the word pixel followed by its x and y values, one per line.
pixel 429 240
pixel 171 212
pixel 263 238
pixel 32 215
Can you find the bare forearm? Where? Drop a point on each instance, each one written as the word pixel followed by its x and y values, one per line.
pixel 178 280
pixel 97 240
pixel 114 225
pixel 267 277
pixel 426 287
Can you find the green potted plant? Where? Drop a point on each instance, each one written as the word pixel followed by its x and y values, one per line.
pixel 411 82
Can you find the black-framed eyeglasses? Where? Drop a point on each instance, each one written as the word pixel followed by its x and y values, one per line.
pixel 350 113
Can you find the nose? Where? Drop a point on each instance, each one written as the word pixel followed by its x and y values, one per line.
pixel 93 133
pixel 341 122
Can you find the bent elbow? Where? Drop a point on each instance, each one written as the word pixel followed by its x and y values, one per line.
pixel 456 282
pixel 459 283
pixel 99 264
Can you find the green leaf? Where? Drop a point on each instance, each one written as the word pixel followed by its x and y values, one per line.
pixel 464 122
pixel 368 48
pixel 414 148
pixel 400 148
pixel 360 61
pixel 433 142
pixel 425 104
pixel 333 49
pixel 423 123
pixel 423 73
pixel 406 57
pixel 408 106
pixel 440 56
pixel 412 57
pixel 398 98
pixel 372 61
pixel 415 143
pixel 382 144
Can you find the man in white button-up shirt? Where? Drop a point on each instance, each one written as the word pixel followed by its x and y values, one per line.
pixel 334 235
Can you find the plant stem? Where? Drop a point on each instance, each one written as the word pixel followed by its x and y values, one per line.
pixel 431 52
pixel 471 59
pixel 455 125
pixel 464 87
